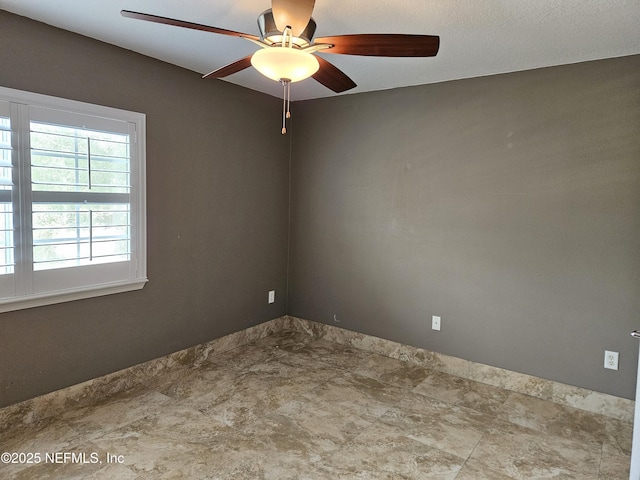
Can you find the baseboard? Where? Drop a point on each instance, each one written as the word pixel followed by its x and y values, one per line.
pixel 91 391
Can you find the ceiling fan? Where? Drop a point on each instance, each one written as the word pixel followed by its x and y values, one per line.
pixel 288 48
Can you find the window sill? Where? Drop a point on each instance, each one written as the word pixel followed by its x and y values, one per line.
pixel 20 303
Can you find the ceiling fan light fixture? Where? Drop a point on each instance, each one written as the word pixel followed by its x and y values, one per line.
pixel 286 33
pixel 284 63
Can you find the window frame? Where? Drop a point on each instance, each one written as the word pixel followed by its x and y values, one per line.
pixel 24 295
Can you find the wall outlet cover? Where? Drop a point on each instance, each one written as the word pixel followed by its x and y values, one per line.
pixel 611 360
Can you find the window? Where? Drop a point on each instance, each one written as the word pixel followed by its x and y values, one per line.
pixel 72 200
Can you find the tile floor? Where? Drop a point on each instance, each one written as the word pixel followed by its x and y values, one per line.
pixel 291 407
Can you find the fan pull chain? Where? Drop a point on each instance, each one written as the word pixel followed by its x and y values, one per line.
pixel 284 106
pixel 286 102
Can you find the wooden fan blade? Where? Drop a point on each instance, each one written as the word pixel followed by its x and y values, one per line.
pixel 292 13
pixel 332 77
pixel 181 23
pixel 230 69
pixel 383 45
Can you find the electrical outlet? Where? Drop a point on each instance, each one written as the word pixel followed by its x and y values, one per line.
pixel 435 322
pixel 272 296
pixel 611 360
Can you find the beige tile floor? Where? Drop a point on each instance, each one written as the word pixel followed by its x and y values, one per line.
pixel 291 407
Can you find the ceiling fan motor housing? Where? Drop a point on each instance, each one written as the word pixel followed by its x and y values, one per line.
pixel 270 33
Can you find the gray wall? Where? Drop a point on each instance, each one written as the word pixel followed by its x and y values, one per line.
pixel 509 205
pixel 217 213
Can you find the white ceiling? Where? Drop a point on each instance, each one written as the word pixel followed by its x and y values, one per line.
pixel 477 37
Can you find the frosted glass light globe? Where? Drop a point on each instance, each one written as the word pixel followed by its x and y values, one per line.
pixel 284 63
